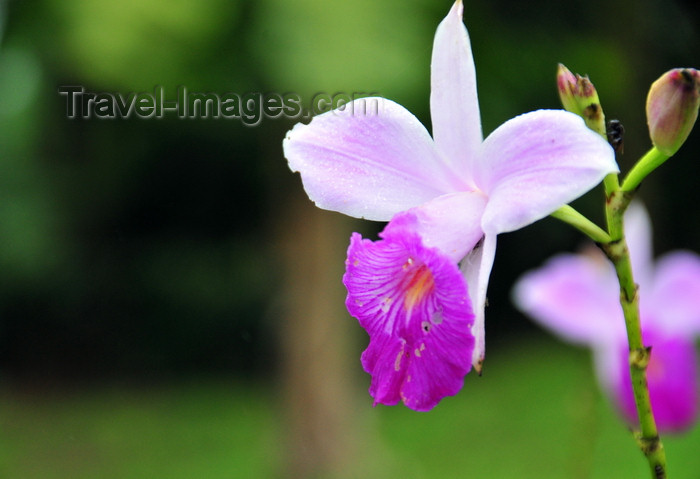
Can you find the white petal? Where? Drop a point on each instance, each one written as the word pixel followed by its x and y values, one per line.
pixel 368 164
pixel 476 268
pixel 450 223
pixel 454 106
pixel 535 163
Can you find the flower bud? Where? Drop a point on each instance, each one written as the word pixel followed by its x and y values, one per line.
pixel 578 95
pixel 672 108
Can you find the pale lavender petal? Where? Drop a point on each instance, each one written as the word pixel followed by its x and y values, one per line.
pixel 368 165
pixel 574 296
pixel 414 304
pixel 639 242
pixel 535 163
pixel 673 302
pixel 672 377
pixel 454 106
pixel 476 268
pixel 451 223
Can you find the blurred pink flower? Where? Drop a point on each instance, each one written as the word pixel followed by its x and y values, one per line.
pixel 576 296
pixel 447 198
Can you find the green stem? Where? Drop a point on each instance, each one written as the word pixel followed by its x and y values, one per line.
pixel 611 184
pixel 639 355
pixel 646 164
pixel 569 215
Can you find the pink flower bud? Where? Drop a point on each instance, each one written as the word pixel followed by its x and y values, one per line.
pixel 672 108
pixel 578 95
pixel 567 83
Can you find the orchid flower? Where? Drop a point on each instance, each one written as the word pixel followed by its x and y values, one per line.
pixel 446 198
pixel 577 298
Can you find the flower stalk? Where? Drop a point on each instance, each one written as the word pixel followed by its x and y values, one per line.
pixel 614 244
pixel 668 132
pixel 648 163
pixel 569 215
pixel 579 96
pixel 617 252
pixel 648 436
pixel 617 200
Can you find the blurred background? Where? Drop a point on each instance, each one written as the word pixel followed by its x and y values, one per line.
pixel 170 301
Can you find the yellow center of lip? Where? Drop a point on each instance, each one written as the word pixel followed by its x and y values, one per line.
pixel 419 283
